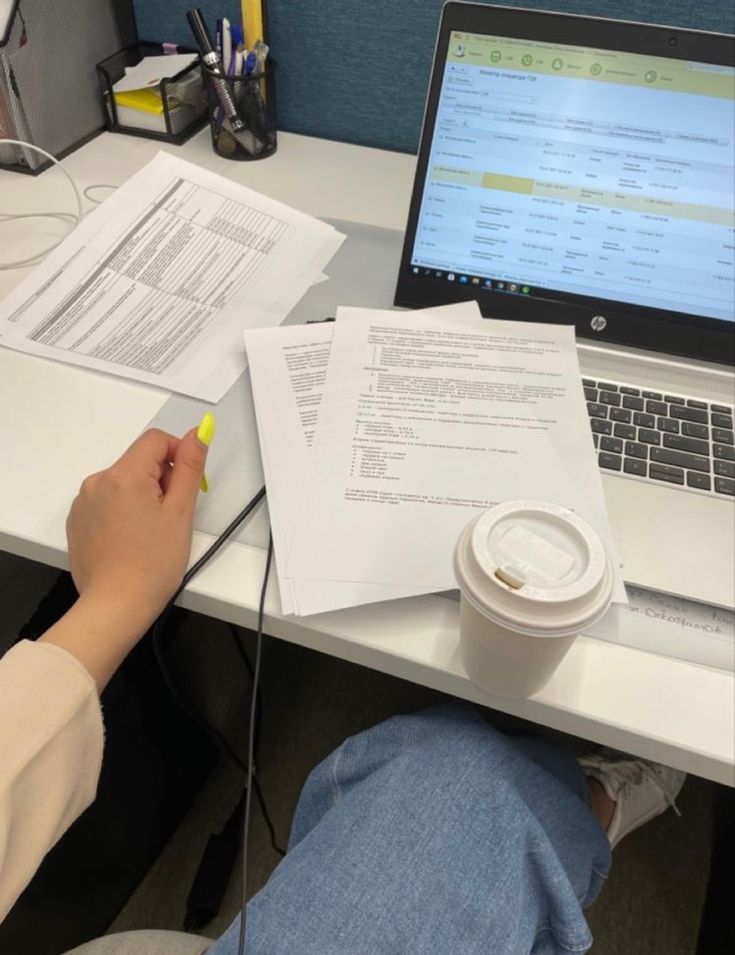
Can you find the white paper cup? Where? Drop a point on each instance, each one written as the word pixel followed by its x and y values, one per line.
pixel 532 576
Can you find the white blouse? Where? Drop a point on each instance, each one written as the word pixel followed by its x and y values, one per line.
pixel 51 741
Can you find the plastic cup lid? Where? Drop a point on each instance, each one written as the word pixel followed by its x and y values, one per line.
pixel 534 567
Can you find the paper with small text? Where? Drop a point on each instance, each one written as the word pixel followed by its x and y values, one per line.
pixel 425 422
pixel 159 282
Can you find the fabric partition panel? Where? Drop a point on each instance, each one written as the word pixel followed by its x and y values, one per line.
pixel 357 72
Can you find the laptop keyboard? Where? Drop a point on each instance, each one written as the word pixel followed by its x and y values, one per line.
pixel 663 438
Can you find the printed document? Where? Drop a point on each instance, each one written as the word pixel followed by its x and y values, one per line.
pixel 159 282
pixel 288 367
pixel 425 422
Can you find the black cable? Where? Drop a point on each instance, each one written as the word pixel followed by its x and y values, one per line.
pixel 269 824
pixel 255 707
pixel 236 639
pixel 226 533
pixel 235 631
pixel 251 749
pixel 157 634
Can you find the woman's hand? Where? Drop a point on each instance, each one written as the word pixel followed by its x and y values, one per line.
pixel 129 529
pixel 129 534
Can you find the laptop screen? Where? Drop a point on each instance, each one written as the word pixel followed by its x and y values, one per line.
pixel 574 177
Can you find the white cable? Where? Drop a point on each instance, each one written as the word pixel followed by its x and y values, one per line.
pixel 75 217
pixel 97 185
pixel 64 216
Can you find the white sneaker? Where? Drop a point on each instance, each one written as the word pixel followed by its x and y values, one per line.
pixel 640 789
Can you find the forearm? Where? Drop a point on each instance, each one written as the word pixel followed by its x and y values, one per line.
pixel 100 630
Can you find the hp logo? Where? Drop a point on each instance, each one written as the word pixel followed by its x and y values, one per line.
pixel 598 323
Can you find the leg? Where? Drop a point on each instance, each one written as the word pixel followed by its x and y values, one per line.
pixel 434 834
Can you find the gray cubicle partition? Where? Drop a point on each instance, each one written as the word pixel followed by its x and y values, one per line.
pixel 49 92
pixel 357 71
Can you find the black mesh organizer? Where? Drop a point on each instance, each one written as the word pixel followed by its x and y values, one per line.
pixel 254 98
pixel 183 98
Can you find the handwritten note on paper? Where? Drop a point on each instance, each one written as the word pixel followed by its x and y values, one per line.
pixel 671 626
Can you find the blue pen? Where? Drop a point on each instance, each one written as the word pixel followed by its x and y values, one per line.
pixel 250 62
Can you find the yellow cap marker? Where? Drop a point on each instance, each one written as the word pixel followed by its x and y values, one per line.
pixel 205 433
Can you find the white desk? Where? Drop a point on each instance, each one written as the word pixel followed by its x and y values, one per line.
pixel 60 423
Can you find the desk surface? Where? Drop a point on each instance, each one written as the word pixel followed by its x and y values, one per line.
pixel 61 423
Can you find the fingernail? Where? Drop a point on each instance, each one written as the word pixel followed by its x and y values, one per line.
pixel 205 431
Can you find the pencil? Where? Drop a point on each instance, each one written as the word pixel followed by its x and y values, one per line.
pixel 252 22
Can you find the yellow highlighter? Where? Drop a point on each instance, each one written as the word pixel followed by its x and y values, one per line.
pixel 252 22
pixel 205 433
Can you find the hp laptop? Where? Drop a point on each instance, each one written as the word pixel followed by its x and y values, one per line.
pixel 579 170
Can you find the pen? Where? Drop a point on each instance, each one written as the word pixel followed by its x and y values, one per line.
pixel 218 49
pixel 261 55
pixel 218 37
pixel 226 54
pixel 240 59
pixel 213 64
pixel 236 44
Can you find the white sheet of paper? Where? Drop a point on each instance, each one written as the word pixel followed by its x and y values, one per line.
pixel 152 69
pixel 288 368
pixel 427 421
pixel 159 282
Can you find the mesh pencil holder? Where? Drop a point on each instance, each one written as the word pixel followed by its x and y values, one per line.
pixel 254 98
pixel 183 99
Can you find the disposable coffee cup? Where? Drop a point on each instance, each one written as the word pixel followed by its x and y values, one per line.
pixel 532 576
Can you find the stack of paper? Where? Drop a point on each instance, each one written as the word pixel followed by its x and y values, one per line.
pixel 159 282
pixel 152 69
pixel 384 434
pixel 138 99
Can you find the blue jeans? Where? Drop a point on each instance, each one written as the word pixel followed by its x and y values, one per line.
pixel 434 834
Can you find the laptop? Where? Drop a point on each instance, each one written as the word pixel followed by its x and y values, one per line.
pixel 579 170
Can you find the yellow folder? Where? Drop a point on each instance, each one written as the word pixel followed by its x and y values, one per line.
pixel 147 101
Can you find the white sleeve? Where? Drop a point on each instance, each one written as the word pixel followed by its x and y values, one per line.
pixel 51 740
